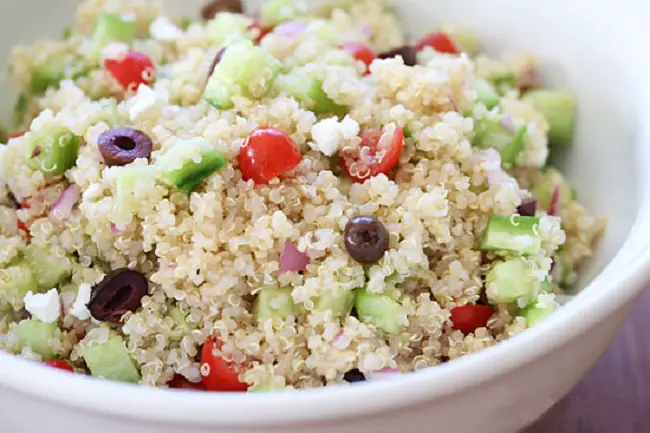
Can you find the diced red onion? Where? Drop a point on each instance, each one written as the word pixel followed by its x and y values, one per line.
pixel 117 231
pixel 384 374
pixel 62 207
pixel 341 341
pixel 292 260
pixel 555 201
pixel 508 124
pixel 290 29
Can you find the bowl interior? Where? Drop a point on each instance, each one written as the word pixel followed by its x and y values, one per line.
pixel 600 164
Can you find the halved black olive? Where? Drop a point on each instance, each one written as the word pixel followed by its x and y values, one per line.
pixel 119 292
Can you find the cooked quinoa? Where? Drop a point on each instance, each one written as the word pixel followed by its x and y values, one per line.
pixel 214 253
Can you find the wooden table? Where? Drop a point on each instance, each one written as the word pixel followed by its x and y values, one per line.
pixel 615 395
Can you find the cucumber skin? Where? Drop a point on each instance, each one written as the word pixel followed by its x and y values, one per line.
pixel 193 174
pixel 58 152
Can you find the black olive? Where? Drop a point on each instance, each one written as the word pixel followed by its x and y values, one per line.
pixel 528 207
pixel 210 10
pixel 408 52
pixel 119 292
pixel 354 375
pixel 366 239
pixel 122 146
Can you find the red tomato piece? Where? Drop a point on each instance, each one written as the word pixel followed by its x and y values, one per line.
pixel 180 382
pixel 440 42
pixel 22 227
pixel 267 154
pixel 217 374
pixel 374 156
pixel 361 52
pixel 135 69
pixel 16 134
pixel 61 365
pixel 470 317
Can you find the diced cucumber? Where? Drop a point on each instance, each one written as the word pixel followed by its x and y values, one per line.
pixel 111 28
pixel 244 69
pixel 275 12
pixel 559 109
pixel 509 281
pixel 130 183
pixel 487 94
pixel 227 25
pixel 53 152
pixel 544 187
pixel 110 360
pixel 48 267
pixel 185 172
pixel 340 302
pixel 322 30
pixel 48 74
pixel 503 82
pixel 465 41
pixel 508 139
pixel 180 320
pixel 21 107
pixel 382 310
pixel 310 92
pixel 15 282
pixel 67 33
pixel 514 233
pixel 539 309
pixel 38 336
pixel 273 303
pixel 563 272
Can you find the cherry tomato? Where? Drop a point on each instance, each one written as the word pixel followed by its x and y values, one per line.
pixel 180 382
pixel 267 154
pixel 374 156
pixel 441 42
pixel 470 317
pixel 361 52
pixel 61 365
pixel 135 69
pixel 217 374
pixel 22 227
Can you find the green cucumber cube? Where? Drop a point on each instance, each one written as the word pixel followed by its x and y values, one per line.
pixel 110 360
pixel 382 310
pixel 15 282
pixel 276 12
pixel 49 267
pixel 188 164
pixel 559 109
pixel 544 189
pixel 465 41
pixel 514 233
pixel 48 74
pixel 487 94
pixel 273 303
pixel 111 28
pixel 244 69
pixel 180 320
pixel 131 185
pixel 509 281
pixel 38 336
pixel 508 140
pixel 340 302
pixel 21 108
pixel 310 92
pixel 53 152
pixel 538 310
pixel 227 25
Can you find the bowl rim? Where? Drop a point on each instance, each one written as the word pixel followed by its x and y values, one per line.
pixel 614 288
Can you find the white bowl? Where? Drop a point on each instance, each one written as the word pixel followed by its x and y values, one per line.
pixel 594 47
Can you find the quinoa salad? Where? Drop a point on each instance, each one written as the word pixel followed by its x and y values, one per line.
pixel 289 198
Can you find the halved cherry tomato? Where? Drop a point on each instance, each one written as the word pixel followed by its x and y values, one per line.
pixel 361 52
pixel 440 42
pixel 23 227
pixel 267 154
pixel 470 317
pixel 58 364
pixel 180 382
pixel 374 157
pixel 217 374
pixel 135 69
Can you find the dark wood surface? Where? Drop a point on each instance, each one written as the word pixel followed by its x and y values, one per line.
pixel 615 396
